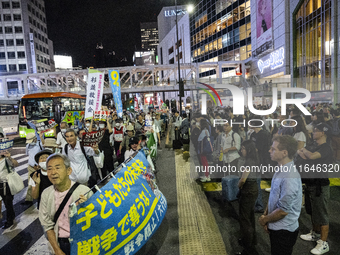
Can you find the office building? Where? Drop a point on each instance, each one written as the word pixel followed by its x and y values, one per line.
pixel 24 44
pixel 149 36
pixel 220 30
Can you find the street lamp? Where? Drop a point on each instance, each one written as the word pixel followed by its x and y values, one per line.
pixel 180 82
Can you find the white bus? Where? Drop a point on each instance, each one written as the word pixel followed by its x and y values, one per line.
pixel 9 117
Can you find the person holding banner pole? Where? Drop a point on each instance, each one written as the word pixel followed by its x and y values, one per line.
pixel 33 147
pixel 55 202
pixel 105 147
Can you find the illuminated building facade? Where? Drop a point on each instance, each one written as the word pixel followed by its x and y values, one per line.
pixel 220 30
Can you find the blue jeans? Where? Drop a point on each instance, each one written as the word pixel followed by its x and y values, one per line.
pixel 259 200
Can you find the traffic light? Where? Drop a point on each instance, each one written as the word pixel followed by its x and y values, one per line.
pixel 181 88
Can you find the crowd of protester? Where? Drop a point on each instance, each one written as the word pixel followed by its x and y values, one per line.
pixel 223 139
pixel 61 169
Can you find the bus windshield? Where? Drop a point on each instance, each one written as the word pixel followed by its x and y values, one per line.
pixel 60 106
pixel 36 108
pixel 39 108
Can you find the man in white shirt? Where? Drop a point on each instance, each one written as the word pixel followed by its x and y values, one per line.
pixel 33 147
pixel 231 144
pixel 61 139
pixel 80 169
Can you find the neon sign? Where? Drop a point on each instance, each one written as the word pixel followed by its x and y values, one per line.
pixel 169 13
pixel 275 60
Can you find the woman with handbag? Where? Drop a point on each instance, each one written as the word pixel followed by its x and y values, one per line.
pixel 7 165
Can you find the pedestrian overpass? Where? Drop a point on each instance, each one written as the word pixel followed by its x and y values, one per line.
pixel 134 79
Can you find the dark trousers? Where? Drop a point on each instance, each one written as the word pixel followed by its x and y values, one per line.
pixel 248 195
pixel 108 162
pixel 121 157
pixel 282 241
pixel 64 245
pixel 7 197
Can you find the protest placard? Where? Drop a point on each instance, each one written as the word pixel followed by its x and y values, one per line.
pixel 45 126
pixel 92 138
pixel 148 122
pixel 120 218
pixel 100 115
pixel 5 145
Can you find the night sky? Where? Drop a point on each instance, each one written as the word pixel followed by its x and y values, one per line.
pixel 76 26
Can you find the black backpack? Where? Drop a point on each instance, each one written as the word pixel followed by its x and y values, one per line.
pixel 94 178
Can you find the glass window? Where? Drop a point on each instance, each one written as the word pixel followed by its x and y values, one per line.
pixel 9 42
pixel 18 29
pixel 313 45
pixel 16 17
pixel 8 109
pixel 3 68
pixel 37 108
pixel 21 54
pixel 7 17
pixel 8 30
pixel 2 55
pixel 0 29
pixel 11 55
pixel 22 67
pixel 20 42
pixel 2 43
pixel 15 5
pixel 5 5
pixel 12 67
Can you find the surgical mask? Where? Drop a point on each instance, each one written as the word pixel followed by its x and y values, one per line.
pixel 63 130
pixel 33 143
pixel 118 125
pixel 42 165
pixel 101 126
pixel 87 124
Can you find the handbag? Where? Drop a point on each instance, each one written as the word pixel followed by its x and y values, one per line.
pixel 14 180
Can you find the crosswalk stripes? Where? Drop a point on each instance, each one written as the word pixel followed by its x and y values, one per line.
pixel 26 235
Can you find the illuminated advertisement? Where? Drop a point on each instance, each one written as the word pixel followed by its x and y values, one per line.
pixel 264 33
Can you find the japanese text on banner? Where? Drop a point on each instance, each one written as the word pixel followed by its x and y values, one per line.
pixel 122 217
pixel 94 92
pixel 5 145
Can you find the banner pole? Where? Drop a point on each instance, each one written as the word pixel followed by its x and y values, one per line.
pixel 107 176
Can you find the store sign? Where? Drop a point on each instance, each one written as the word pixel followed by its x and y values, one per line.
pixel 275 60
pixel 34 64
pixel 169 13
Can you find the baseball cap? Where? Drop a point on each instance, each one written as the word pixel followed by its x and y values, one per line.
pixel 134 140
pixel 324 128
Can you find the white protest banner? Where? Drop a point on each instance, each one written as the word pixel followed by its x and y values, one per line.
pixel 148 122
pixel 101 115
pixel 95 84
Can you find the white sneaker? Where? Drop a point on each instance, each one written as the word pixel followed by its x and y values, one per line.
pixel 205 179
pixel 267 189
pixel 321 247
pixel 311 236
